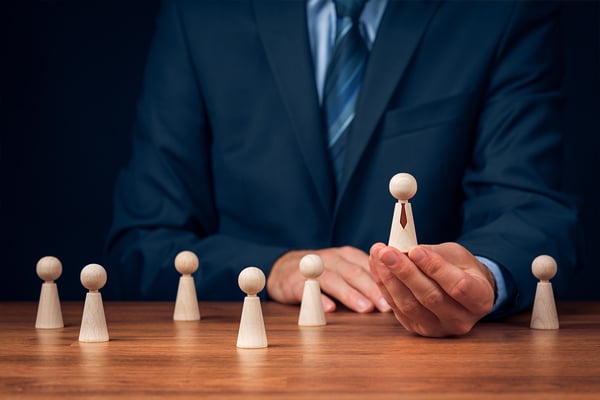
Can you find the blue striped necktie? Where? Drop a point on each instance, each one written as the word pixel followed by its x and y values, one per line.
pixel 343 79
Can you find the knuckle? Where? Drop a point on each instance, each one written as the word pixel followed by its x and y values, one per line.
pixel 431 267
pixel 387 278
pixel 427 331
pixel 433 298
pixel 346 297
pixel 326 279
pixel 360 270
pixel 354 272
pixel 461 289
pixel 484 306
pixel 409 307
pixel 459 327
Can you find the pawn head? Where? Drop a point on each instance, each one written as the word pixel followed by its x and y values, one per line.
pixel 251 280
pixel 48 268
pixel 93 276
pixel 544 267
pixel 403 186
pixel 311 266
pixel 186 262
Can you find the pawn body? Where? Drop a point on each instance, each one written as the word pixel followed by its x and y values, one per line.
pixel 544 315
pixel 403 234
pixel 311 307
pixel 252 334
pixel 93 322
pixel 49 313
pixel 186 303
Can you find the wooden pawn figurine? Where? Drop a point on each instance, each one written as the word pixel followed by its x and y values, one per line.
pixel 403 235
pixel 544 314
pixel 251 334
pixel 93 323
pixel 186 304
pixel 311 308
pixel 49 313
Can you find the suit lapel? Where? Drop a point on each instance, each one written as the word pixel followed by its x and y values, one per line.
pixel 399 33
pixel 283 31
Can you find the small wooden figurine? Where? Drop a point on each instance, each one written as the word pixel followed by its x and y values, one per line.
pixel 544 314
pixel 252 334
pixel 186 304
pixel 403 235
pixel 93 323
pixel 49 313
pixel 311 308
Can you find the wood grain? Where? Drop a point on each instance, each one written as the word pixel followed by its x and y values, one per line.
pixel 353 357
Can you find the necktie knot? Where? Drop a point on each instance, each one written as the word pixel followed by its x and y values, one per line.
pixel 349 8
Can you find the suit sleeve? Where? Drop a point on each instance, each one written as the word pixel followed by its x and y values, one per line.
pixel 164 199
pixel 513 209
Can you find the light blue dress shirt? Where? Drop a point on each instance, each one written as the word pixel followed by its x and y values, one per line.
pixel 321 29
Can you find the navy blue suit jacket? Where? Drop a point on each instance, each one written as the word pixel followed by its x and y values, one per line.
pixel 229 150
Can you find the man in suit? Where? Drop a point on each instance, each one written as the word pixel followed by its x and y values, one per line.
pixel 230 157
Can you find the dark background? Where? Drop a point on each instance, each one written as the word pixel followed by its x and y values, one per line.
pixel 70 73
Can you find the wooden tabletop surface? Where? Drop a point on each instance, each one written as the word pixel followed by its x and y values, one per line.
pixel 354 357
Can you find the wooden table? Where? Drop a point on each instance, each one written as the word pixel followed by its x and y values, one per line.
pixel 354 357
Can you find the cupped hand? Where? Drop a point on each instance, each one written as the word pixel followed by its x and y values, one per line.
pixel 435 290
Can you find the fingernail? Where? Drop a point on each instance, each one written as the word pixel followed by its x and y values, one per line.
pixel 328 305
pixel 417 254
pixel 376 247
pixel 389 258
pixel 383 305
pixel 362 304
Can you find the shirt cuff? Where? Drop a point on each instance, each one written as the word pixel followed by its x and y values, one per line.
pixel 501 289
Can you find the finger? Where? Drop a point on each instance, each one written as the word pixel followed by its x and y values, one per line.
pixel 328 304
pixel 336 286
pixel 354 268
pixel 376 248
pixel 432 330
pixel 385 303
pixel 426 291
pixel 377 266
pixel 406 323
pixel 285 283
pixel 364 283
pixel 404 300
pixel 376 263
pixel 353 254
pixel 470 291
